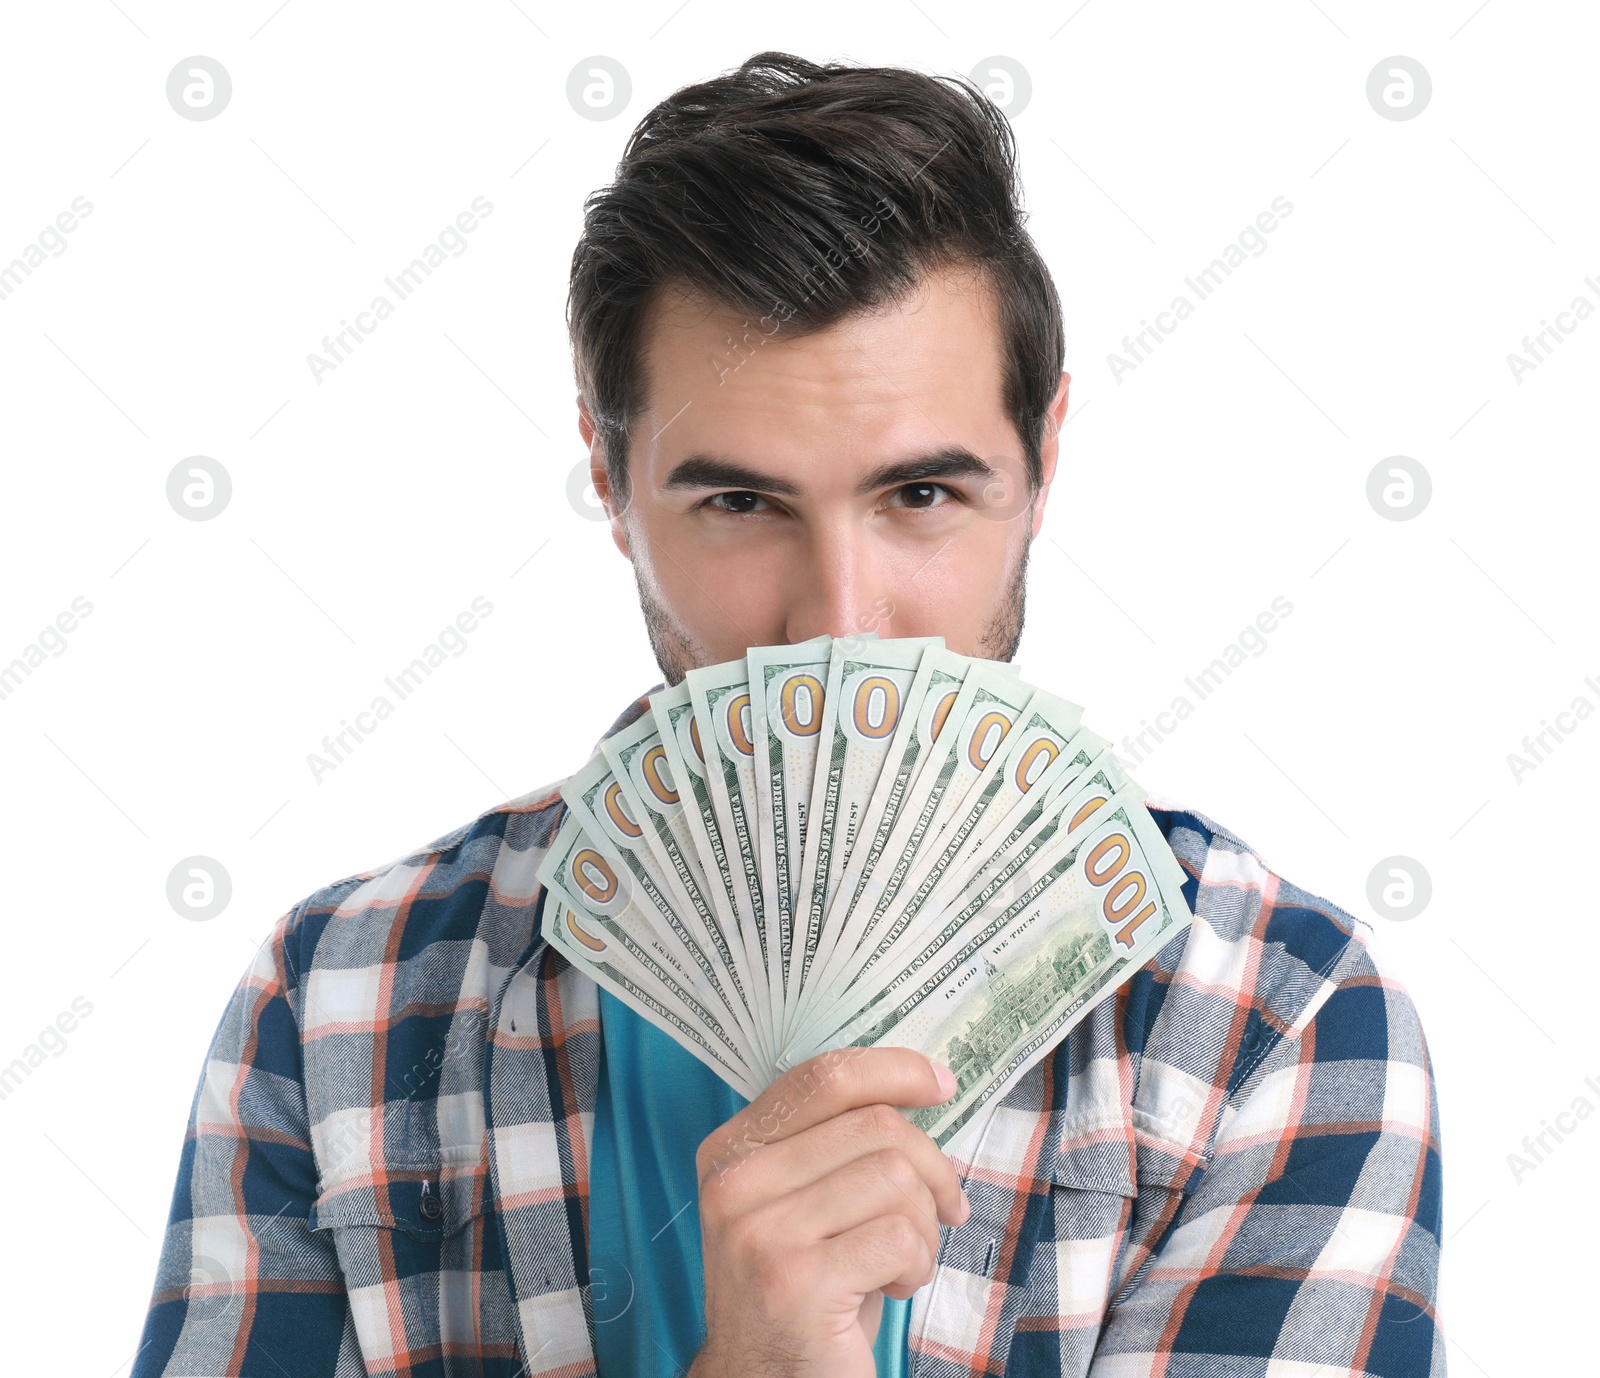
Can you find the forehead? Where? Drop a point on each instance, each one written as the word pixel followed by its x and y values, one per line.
pixel 914 374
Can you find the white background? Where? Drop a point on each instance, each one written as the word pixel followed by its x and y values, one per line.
pixel 369 509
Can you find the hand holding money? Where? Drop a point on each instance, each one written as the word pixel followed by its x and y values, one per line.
pixel 815 1203
pixel 861 843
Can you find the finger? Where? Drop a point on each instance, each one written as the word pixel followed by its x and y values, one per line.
pixel 888 1253
pixel 796 1162
pixel 870 1315
pixel 900 1293
pixel 827 1085
pixel 883 1183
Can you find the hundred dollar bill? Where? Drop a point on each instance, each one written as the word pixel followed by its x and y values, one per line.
pixel 959 914
pixel 960 823
pixel 789 683
pixel 686 761
pixel 1043 732
pixel 606 964
pixel 725 711
pixel 1085 753
pixel 583 872
pixel 1062 802
pixel 996 995
pixel 863 699
pixel 639 757
pixel 987 704
pixel 1040 757
pixel 606 806
pixel 898 943
pixel 933 693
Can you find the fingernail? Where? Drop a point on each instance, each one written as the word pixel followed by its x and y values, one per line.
pixel 946 1079
pixel 966 1206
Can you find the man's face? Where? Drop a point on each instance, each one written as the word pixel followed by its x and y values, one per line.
pixel 864 478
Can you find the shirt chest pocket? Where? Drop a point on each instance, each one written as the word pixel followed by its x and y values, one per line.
pixel 421 1261
pixel 1073 1225
pixel 1024 1279
pixel 1081 1220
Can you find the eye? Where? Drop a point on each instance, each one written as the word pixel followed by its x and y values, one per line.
pixel 739 504
pixel 921 495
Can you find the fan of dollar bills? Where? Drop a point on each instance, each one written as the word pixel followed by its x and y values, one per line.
pixel 853 842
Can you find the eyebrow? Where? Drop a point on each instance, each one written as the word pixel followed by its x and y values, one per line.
pixel 718 471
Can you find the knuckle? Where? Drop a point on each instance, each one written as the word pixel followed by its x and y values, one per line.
pixel 711 1177
pixel 884 1121
pixel 896 1164
pixel 714 1213
pixel 905 1237
pixel 908 1136
pixel 708 1157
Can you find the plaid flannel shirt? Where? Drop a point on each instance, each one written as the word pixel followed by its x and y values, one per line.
pixel 1230 1168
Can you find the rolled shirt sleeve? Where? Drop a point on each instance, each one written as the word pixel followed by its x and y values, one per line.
pixel 1309 1246
pixel 244 1285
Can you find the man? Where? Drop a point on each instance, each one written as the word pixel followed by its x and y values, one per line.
pixel 820 381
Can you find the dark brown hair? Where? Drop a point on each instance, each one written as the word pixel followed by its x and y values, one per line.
pixel 799 194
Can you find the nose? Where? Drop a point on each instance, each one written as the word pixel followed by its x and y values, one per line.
pixel 837 588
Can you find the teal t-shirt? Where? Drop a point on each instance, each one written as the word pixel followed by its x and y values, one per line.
pixel 653 1105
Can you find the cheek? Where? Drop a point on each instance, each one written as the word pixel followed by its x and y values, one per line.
pixel 974 563
pixel 960 587
pixel 725 595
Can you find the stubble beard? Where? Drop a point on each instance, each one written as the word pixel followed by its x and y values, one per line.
pixel 677 652
pixel 1003 632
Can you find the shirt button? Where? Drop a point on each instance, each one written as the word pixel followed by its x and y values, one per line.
pixel 431 1207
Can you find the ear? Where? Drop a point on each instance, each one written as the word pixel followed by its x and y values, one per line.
pixel 600 477
pixel 1049 448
